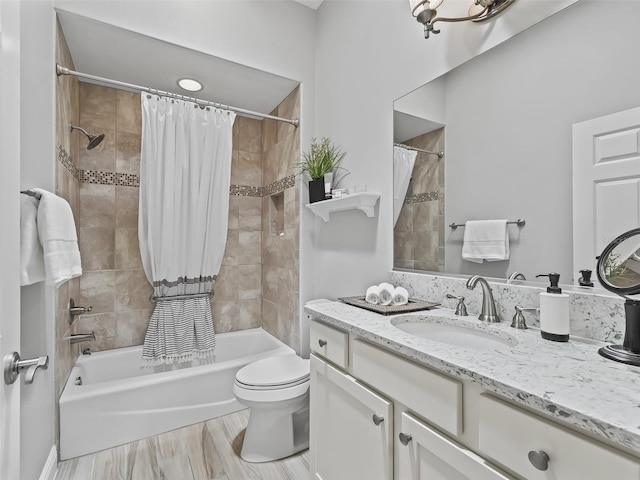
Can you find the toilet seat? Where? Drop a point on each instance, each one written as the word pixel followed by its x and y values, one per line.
pixel 274 373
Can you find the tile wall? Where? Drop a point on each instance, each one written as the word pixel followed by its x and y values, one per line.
pixel 68 187
pixel 258 282
pixel 419 233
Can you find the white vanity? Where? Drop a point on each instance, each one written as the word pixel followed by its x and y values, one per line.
pixel 387 404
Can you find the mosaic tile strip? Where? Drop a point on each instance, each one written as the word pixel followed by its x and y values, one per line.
pixel 65 159
pixel 245 191
pixel 421 198
pixel 279 186
pixel 131 180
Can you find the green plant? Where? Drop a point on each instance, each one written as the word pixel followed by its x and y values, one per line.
pixel 612 268
pixel 321 158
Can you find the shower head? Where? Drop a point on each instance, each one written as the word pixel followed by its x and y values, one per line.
pixel 94 140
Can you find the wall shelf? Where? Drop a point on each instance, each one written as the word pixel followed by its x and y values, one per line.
pixel 362 201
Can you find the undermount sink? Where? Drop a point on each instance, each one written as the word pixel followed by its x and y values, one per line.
pixel 443 330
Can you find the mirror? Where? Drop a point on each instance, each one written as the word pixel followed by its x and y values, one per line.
pixel 504 121
pixel 619 272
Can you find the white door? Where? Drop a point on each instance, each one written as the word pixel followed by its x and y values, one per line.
pixel 351 428
pixel 425 454
pixel 9 232
pixel 606 183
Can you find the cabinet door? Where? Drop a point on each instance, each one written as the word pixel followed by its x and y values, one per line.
pixel 430 455
pixel 351 427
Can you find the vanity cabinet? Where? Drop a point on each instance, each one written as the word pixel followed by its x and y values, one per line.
pixel 378 415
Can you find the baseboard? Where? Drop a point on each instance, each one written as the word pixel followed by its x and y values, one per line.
pixel 50 466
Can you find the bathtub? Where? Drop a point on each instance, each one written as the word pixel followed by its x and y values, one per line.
pixel 119 402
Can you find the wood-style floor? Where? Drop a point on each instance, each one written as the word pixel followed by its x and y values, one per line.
pixel 205 451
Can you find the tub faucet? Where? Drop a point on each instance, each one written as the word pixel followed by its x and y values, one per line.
pixel 81 337
pixel 488 312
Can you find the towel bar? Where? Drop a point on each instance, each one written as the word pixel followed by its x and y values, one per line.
pixel 32 193
pixel 178 297
pixel 520 222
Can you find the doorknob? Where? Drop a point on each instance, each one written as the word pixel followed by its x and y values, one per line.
pixel 14 366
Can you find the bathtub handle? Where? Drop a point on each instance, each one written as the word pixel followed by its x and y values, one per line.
pixel 14 366
pixel 322 343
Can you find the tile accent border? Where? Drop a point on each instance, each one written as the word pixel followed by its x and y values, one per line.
pixel 65 159
pixel 422 197
pixel 132 180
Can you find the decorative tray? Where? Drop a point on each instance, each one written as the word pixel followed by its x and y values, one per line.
pixel 411 306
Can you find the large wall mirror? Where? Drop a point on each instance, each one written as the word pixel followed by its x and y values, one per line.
pixel 504 122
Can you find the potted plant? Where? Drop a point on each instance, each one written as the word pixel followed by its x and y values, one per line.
pixel 318 162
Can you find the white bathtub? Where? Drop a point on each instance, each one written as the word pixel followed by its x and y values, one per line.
pixel 119 402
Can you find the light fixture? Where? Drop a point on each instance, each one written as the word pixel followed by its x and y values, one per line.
pixel 190 84
pixel 426 13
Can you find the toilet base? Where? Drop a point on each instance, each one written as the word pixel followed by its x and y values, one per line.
pixel 274 433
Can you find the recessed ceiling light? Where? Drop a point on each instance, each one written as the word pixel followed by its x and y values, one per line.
pixel 190 84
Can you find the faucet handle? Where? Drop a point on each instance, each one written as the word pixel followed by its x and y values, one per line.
pixel 519 321
pixel 461 308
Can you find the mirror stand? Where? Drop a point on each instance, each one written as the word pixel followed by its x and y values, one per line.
pixel 629 351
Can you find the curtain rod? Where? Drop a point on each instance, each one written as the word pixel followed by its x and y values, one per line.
pixel 401 145
pixel 60 70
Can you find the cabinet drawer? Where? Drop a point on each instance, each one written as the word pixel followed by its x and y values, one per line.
pixel 425 454
pixel 435 397
pixel 508 434
pixel 330 343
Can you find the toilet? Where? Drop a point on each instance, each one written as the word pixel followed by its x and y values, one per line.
pixel 276 389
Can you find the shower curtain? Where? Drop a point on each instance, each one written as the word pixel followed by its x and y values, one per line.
pixel 403 161
pixel 185 172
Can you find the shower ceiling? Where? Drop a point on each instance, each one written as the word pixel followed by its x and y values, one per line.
pixel 111 52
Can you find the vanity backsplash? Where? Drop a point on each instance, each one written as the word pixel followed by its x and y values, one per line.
pixel 597 316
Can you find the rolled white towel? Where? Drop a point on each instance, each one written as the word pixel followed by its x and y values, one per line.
pixel 400 296
pixel 386 293
pixel 373 295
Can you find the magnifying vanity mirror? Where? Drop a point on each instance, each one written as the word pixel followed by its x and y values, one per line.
pixel 619 272
pixel 505 122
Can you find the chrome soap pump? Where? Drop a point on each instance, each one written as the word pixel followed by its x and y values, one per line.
pixel 554 311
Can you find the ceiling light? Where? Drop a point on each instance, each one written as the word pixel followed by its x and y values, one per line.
pixel 190 84
pixel 426 13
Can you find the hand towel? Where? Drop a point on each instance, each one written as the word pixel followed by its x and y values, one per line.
pixel 373 295
pixel 31 254
pixel 400 296
pixel 57 233
pixel 485 240
pixel 386 293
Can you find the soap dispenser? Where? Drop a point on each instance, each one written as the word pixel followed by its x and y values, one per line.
pixel 554 311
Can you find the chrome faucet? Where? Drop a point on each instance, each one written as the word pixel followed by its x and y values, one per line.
pixel 488 312
pixel 81 337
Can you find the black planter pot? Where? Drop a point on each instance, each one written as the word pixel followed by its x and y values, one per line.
pixel 316 190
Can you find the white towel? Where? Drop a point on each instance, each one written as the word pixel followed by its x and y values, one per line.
pixel 373 295
pixel 400 296
pixel 57 233
pixel 31 254
pixel 485 240
pixel 386 293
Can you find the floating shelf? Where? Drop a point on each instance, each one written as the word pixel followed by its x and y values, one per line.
pixel 362 201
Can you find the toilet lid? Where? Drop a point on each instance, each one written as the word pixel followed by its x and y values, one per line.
pixel 278 371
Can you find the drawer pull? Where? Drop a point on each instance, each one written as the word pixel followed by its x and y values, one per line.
pixel 377 420
pixel 404 438
pixel 540 459
pixel 322 343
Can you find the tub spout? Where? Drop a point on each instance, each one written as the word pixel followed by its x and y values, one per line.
pixel 81 337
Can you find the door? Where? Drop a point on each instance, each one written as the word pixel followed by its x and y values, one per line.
pixel 606 183
pixel 351 427
pixel 425 454
pixel 9 236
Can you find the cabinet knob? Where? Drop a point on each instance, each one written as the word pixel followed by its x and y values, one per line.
pixel 322 343
pixel 404 438
pixel 377 420
pixel 540 459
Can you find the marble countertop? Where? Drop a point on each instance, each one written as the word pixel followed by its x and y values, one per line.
pixel 568 381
